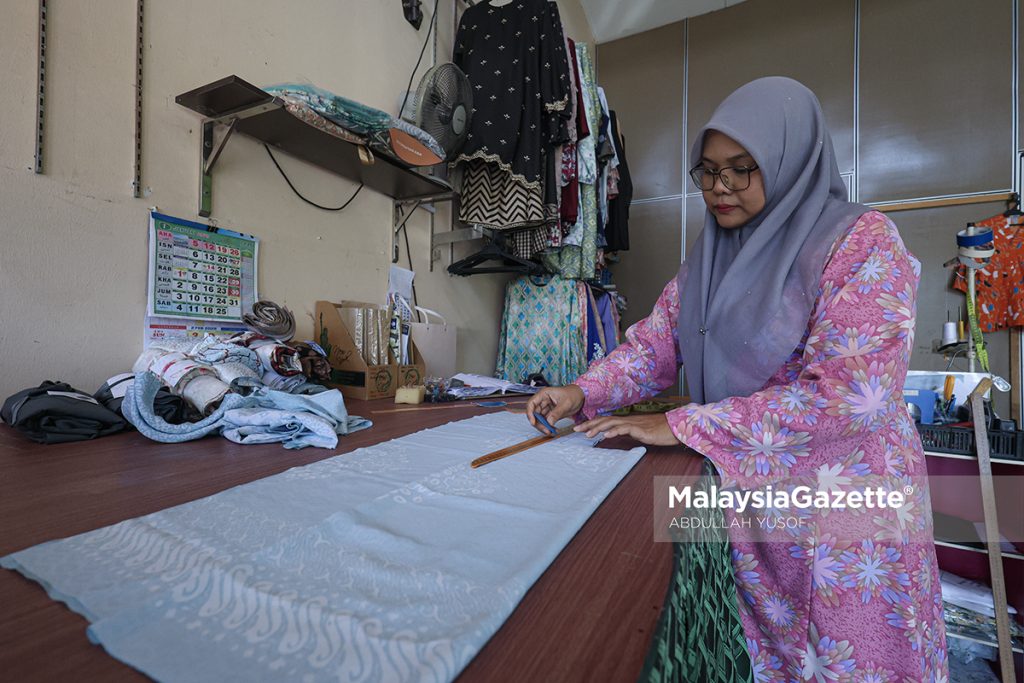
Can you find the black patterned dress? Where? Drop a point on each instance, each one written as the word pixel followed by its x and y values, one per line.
pixel 514 56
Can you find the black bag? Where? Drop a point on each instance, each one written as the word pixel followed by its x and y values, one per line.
pixel 55 412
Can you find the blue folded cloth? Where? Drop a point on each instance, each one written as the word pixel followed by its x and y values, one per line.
pixel 297 420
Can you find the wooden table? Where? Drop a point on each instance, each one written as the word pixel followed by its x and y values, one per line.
pixel 589 617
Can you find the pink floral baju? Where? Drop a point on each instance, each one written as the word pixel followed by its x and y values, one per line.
pixel 847 597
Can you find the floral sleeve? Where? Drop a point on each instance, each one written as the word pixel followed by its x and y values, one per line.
pixel 645 364
pixel 843 386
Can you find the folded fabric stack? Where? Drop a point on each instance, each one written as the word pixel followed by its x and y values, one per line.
pixel 55 412
pixel 263 416
pixel 203 372
pixel 348 114
pixel 249 388
pixel 367 123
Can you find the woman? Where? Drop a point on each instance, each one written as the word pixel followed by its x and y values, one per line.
pixel 793 319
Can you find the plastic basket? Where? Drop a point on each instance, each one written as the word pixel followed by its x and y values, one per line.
pixel 960 440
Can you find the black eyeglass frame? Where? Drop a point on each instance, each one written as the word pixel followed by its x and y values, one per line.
pixel 698 169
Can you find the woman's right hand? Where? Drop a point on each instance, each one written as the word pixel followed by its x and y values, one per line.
pixel 554 403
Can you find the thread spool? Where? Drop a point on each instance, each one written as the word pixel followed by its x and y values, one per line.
pixel 949 334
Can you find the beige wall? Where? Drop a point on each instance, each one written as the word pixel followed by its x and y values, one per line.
pixel 935 118
pixel 73 255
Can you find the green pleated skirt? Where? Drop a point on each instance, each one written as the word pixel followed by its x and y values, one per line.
pixel 699 638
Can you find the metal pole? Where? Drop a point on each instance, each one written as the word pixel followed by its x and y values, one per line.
pixel 139 45
pixel 40 87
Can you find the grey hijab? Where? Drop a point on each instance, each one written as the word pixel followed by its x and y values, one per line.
pixel 746 293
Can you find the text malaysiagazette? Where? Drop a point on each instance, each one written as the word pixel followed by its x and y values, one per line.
pixel 797 497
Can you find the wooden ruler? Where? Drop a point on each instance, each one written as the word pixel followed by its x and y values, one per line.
pixel 992 540
pixel 444 406
pixel 520 447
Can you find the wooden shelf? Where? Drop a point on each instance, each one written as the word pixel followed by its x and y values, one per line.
pixel 258 114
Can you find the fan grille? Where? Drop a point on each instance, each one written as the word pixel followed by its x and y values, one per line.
pixel 444 103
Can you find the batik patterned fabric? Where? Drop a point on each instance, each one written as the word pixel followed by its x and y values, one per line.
pixel 542 330
pixel 825 604
pixel 700 637
pixel 392 563
pixel 1000 284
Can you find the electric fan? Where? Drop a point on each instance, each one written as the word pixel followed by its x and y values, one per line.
pixel 444 105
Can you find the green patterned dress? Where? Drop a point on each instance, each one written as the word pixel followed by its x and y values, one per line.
pixel 699 638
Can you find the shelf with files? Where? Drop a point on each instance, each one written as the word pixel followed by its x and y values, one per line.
pixel 954 631
pixel 249 110
pixel 961 456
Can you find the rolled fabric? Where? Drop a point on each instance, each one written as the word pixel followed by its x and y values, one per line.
pixel 372 340
pixel 313 360
pixel 248 339
pixel 229 372
pixel 280 359
pixel 271 320
pixel 177 369
pixel 146 358
pixel 204 392
pixel 316 367
pixel 174 344
pixel 213 351
pixel 359 333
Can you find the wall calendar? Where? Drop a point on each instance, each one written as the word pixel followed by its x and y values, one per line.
pixel 198 271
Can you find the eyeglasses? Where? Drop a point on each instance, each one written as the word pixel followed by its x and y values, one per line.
pixel 734 178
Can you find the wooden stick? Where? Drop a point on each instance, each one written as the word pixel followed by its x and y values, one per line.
pixel 520 447
pixel 459 404
pixel 992 540
pixel 935 203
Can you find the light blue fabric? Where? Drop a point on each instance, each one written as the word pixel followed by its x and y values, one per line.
pixel 137 408
pixel 327 406
pixel 391 563
pixel 296 429
pixel 226 352
pixel 296 420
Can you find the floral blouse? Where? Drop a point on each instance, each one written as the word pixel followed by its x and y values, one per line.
pixel 845 597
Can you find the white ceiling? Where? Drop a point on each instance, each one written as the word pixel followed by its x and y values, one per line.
pixel 612 19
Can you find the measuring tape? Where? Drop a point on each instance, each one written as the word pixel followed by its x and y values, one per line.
pixel 979 340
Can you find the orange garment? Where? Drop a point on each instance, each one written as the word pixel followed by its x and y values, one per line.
pixel 1000 284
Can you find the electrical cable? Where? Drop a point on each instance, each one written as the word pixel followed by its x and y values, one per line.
pixel 426 39
pixel 299 194
pixel 408 252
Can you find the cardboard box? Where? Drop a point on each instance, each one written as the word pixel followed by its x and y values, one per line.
pixel 349 371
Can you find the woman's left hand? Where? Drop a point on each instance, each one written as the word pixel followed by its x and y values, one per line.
pixel 652 430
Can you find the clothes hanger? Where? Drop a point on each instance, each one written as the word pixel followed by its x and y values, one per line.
pixel 495 251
